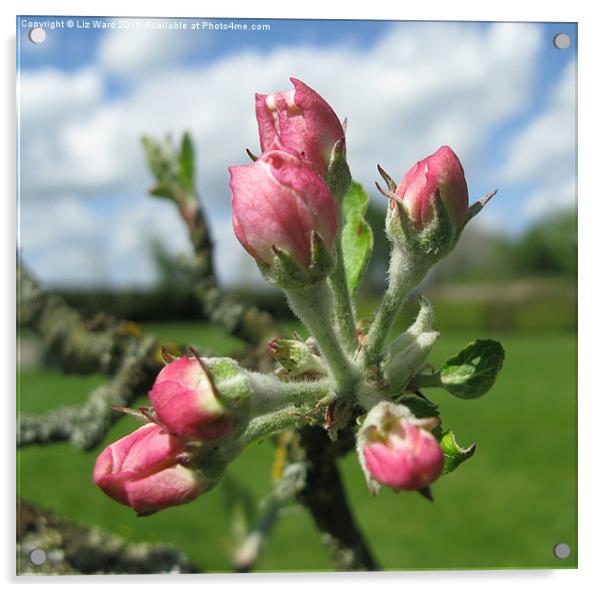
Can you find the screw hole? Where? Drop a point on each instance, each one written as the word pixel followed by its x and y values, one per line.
pixel 38 556
pixel 562 551
pixel 562 41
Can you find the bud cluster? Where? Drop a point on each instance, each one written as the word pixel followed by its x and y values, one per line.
pixel 297 213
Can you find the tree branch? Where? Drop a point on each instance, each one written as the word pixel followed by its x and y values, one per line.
pixel 80 345
pixel 74 549
pixel 324 495
pixel 86 425
pixel 173 170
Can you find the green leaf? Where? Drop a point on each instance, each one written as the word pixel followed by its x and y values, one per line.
pixel 187 163
pixel 454 454
pixel 357 239
pixel 153 156
pixel 161 191
pixel 472 371
pixel 419 405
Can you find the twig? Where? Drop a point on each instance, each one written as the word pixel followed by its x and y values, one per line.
pixel 79 344
pixel 174 173
pixel 247 554
pixel 325 497
pixel 289 481
pixel 71 548
pixel 86 425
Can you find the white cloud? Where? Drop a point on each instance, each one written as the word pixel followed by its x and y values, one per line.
pixel 419 87
pixel 133 53
pixel 61 240
pixel 544 153
pixel 49 95
pixel 138 222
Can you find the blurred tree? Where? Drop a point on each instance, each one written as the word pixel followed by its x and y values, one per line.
pixel 550 246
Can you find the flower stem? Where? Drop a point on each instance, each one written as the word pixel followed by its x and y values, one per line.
pixel 313 305
pixel 271 394
pixel 425 381
pixel 343 308
pixel 265 425
pixel 404 276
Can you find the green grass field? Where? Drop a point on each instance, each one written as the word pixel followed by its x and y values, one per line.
pixel 505 508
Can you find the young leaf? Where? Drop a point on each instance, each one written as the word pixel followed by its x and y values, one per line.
pixel 161 191
pixel 187 163
pixel 357 239
pixel 472 371
pixel 419 405
pixel 454 454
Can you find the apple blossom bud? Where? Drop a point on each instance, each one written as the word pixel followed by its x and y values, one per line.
pixel 430 206
pixel 396 449
pixel 202 398
pixel 297 358
pixel 300 121
pixel 144 470
pixel 186 403
pixel 440 174
pixel 284 214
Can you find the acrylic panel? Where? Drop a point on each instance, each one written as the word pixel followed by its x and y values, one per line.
pixel 302 290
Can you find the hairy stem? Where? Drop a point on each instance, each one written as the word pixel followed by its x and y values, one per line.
pixel 343 307
pixel 403 278
pixel 271 394
pixel 313 305
pixel 425 381
pixel 263 426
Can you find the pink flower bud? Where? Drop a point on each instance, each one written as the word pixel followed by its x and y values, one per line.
pixel 439 174
pixel 142 471
pixel 278 201
pixel 186 403
pixel 409 458
pixel 299 121
pixel 395 449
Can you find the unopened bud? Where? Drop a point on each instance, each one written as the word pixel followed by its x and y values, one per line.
pixel 143 470
pixel 406 355
pixel 397 450
pixel 193 400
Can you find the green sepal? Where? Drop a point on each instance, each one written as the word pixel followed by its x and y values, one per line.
pixel 211 462
pixel 232 388
pixel 428 244
pixel 285 272
pixel 453 453
pixel 357 239
pixel 472 371
pixel 440 235
pixel 399 227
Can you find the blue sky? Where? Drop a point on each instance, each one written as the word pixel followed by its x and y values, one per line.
pixel 500 94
